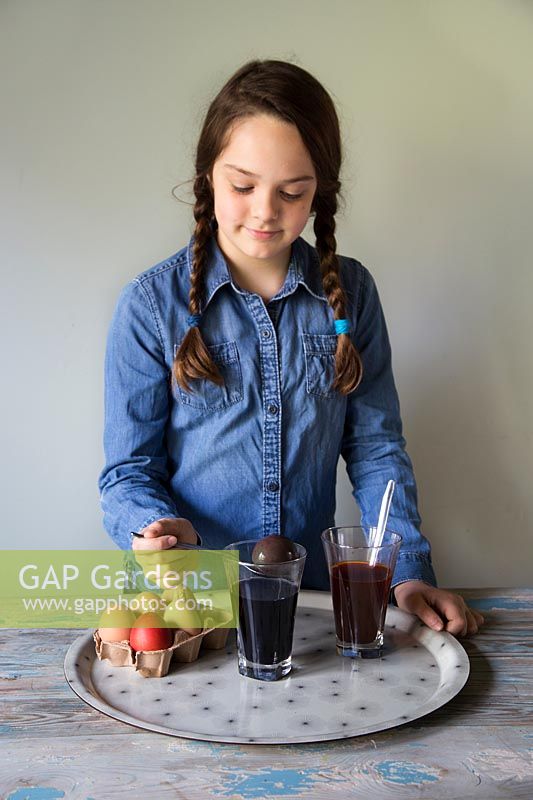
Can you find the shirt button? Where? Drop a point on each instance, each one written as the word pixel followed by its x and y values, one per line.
pixel 266 333
pixel 273 486
pixel 272 409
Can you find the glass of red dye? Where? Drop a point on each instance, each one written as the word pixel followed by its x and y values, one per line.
pixel 360 578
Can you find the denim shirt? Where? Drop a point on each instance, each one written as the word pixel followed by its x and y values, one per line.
pixel 259 454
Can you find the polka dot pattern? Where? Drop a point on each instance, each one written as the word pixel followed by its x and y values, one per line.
pixel 325 696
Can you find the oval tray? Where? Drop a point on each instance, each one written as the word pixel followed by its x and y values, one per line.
pixel 325 696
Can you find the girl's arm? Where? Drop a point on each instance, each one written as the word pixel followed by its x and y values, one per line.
pixel 373 445
pixel 133 483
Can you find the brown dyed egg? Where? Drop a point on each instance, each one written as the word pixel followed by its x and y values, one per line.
pixel 274 549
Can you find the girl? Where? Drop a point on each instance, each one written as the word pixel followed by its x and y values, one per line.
pixel 239 369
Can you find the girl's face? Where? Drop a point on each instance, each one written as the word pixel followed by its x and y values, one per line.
pixel 264 180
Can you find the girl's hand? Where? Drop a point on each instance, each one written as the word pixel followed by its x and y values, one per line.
pixel 165 533
pixel 439 609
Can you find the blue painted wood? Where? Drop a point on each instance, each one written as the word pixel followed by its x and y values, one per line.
pixel 53 745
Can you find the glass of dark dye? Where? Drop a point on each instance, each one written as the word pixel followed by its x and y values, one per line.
pixel 267 597
pixel 360 578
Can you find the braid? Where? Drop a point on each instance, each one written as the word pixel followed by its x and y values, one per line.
pixel 193 359
pixel 348 365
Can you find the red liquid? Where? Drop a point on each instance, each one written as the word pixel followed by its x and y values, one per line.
pixel 360 593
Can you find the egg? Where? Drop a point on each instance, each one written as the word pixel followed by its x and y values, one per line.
pixel 150 632
pixel 147 601
pixel 181 611
pixel 115 625
pixel 274 549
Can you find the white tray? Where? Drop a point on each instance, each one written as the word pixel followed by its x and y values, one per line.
pixel 325 697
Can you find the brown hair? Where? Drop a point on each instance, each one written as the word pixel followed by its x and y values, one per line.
pixel 291 94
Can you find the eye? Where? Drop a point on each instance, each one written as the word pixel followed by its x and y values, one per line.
pixel 288 196
pixel 246 189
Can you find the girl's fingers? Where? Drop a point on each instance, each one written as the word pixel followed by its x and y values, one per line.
pixel 461 620
pixel 428 615
pixel 157 536
pixel 475 620
pixel 431 618
pixel 473 627
pixel 480 619
pixel 181 528
pixel 456 613
pixel 472 622
pixel 165 533
pixel 439 609
pixel 154 542
pixel 159 528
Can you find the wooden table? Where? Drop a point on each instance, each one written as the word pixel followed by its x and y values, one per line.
pixel 478 745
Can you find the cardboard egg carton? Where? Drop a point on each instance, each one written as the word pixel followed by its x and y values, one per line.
pixel 156 663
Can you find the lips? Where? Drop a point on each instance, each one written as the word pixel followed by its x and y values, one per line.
pixel 262 234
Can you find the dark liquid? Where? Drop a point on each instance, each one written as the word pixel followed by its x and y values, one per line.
pixel 360 593
pixel 266 618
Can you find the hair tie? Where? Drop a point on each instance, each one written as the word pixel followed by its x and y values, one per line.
pixel 342 326
pixel 193 320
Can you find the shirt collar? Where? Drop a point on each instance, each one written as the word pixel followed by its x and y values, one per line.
pixel 304 269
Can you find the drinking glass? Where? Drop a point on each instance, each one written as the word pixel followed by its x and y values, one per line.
pixel 268 594
pixel 360 577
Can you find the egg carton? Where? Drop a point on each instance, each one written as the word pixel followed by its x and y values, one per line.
pixel 156 663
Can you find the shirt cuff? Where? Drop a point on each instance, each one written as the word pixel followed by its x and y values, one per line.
pixel 412 567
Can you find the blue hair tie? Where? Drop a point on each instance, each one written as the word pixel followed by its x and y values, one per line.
pixel 342 326
pixel 193 320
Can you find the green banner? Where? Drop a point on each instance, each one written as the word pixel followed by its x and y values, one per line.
pixel 116 588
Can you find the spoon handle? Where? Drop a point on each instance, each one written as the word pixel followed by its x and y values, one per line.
pixel 382 521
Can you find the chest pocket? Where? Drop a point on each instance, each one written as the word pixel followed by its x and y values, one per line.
pixel 207 396
pixel 319 351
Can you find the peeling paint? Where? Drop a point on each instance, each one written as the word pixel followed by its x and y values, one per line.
pixel 473 772
pixel 11 675
pixel 273 782
pixel 36 793
pixel 202 748
pixel 407 773
pixel 502 764
pixel 495 603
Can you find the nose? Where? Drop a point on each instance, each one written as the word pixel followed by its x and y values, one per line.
pixel 265 206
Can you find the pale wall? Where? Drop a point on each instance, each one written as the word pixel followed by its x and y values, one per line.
pixel 101 103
